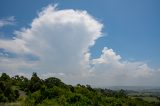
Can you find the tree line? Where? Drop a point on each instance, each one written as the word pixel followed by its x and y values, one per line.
pixel 53 92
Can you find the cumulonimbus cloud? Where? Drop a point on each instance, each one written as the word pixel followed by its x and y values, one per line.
pixel 60 39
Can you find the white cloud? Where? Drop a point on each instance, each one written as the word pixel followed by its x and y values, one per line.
pixel 13 66
pixel 16 46
pixel 7 21
pixel 111 69
pixel 61 39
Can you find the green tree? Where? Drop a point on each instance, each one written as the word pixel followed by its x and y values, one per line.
pixel 52 81
pixel 4 77
pixel 35 83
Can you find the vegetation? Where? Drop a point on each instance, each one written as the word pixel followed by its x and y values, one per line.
pixel 21 91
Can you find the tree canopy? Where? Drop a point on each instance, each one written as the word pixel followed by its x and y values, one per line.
pixel 53 92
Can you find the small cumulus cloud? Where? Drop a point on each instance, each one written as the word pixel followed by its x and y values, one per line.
pixel 59 40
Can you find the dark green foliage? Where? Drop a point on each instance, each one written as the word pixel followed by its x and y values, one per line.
pixel 7 93
pixel 20 81
pixel 52 81
pixel 34 84
pixel 53 92
pixel 4 77
pixel 117 94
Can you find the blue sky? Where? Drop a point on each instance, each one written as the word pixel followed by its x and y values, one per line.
pixel 131 27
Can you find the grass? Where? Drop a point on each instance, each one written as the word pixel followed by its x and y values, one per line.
pixel 147 98
pixel 11 104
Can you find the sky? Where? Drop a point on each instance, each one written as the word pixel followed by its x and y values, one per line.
pixel 101 43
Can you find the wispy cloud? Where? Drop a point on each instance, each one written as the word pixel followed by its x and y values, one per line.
pixel 7 21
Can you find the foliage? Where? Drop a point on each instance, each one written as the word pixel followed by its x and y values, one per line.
pixel 53 92
pixel 7 93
